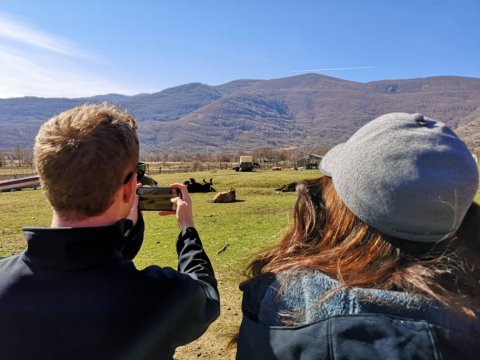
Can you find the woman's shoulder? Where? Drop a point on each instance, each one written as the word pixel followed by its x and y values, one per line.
pixel 288 284
pixel 302 297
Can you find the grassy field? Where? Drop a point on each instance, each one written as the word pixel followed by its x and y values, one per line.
pixel 247 226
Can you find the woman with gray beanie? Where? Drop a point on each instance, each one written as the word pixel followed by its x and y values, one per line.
pixel 382 260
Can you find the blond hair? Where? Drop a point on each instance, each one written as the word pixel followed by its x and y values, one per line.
pixel 83 156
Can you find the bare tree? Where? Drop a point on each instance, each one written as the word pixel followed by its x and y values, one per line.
pixel 23 156
pixel 322 150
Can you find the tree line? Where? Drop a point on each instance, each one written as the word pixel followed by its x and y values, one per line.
pixel 21 156
pixel 260 155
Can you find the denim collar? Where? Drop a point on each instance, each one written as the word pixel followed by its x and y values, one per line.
pixel 296 297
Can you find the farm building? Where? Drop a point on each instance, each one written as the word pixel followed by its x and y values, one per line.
pixel 310 161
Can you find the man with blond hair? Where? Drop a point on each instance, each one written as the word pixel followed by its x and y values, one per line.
pixel 74 293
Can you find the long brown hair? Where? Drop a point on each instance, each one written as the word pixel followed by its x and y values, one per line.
pixel 326 236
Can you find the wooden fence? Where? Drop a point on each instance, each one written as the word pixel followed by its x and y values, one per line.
pixel 13 172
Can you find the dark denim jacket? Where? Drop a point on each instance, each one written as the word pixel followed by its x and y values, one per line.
pixel 297 317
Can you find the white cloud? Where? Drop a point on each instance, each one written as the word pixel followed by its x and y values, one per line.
pixel 15 29
pixel 23 77
pixel 35 63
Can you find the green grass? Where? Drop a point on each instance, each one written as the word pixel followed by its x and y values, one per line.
pixel 247 226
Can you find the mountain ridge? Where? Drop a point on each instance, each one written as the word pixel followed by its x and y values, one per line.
pixel 304 111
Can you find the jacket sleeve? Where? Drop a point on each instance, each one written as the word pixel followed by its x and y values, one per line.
pixel 193 261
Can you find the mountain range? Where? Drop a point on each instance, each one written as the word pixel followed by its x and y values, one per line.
pixel 305 111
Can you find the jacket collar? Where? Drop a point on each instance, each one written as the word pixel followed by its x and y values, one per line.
pixel 301 292
pixel 71 249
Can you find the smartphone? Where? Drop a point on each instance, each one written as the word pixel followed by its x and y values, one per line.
pixel 156 198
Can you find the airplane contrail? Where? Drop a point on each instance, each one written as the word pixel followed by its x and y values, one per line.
pixel 337 69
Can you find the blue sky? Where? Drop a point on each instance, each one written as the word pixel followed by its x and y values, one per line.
pixel 81 48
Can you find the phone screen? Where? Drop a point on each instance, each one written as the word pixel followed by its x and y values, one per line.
pixel 156 198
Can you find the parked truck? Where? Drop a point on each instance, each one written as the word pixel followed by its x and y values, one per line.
pixel 245 164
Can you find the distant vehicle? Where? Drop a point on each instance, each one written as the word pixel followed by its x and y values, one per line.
pixel 246 164
pixel 311 161
pixel 20 183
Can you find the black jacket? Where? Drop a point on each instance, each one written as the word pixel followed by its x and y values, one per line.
pixel 73 295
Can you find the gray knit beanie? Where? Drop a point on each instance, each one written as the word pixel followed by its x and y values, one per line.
pixel 406 175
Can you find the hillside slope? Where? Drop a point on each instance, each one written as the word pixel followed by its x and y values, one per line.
pixel 303 111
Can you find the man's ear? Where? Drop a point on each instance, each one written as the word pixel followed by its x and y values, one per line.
pixel 129 189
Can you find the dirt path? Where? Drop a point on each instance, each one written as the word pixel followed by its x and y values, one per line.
pixel 213 344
